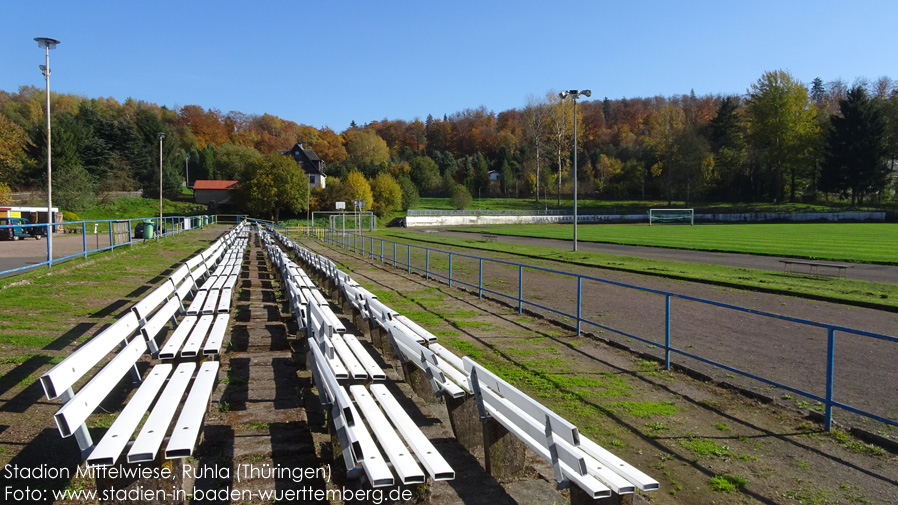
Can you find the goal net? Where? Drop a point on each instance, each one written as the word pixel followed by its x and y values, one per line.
pixel 671 216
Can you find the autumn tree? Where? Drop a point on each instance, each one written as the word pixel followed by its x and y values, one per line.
pixel 231 159
pixel 365 146
pixel 356 187
pixel 12 154
pixel 271 184
pixel 561 129
pixel 535 128
pixel 782 125
pixel 664 128
pixel 387 194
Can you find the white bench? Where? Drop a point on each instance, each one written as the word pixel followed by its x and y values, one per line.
pixel 78 406
pixel 573 457
pixel 399 436
pixel 596 472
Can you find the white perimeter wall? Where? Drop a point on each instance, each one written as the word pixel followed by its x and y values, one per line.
pixel 424 221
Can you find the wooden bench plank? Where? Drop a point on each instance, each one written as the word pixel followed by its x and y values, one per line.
pixel 107 452
pixel 427 454
pixel 75 411
pixel 147 304
pixel 370 366
pixel 216 336
pixel 533 408
pixel 160 319
pixel 348 358
pixel 197 336
pixel 176 340
pixel 399 455
pixel 64 375
pixel 187 427
pixel 150 438
pixel 618 466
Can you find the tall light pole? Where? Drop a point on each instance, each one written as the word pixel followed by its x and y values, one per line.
pixel 161 136
pixel 574 95
pixel 47 43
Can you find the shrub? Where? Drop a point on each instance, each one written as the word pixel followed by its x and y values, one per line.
pixel 460 197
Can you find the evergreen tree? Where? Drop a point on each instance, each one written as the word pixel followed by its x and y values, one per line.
pixel 727 139
pixel 856 148
pixel 818 91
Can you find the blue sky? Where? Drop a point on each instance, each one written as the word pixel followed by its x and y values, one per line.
pixel 329 63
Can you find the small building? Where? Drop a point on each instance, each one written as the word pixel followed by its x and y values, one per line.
pixel 215 194
pixel 310 163
pixel 36 215
pixel 495 175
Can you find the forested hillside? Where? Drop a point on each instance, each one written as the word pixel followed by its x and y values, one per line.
pixel 781 141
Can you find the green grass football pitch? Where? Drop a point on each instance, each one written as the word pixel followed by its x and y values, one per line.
pixel 852 242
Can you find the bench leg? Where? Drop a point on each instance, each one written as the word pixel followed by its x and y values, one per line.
pixel 465 421
pixel 420 383
pixel 580 497
pixel 503 453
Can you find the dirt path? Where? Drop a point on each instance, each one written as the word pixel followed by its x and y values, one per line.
pixel 779 350
pixel 692 436
pixel 257 432
pixel 861 271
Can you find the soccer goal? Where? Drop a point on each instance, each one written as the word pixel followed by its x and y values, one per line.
pixel 671 216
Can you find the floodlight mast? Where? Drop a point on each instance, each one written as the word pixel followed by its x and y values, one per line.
pixel 575 94
pixel 161 136
pixel 47 43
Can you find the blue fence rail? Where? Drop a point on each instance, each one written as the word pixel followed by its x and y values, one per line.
pixel 63 248
pixel 388 252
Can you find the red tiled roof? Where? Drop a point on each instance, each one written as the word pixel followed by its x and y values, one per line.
pixel 198 184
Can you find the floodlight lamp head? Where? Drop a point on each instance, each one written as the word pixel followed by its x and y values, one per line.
pixel 587 93
pixel 46 42
pixel 161 135
pixel 563 95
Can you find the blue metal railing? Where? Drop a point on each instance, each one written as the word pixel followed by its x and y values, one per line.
pixel 495 212
pixel 170 225
pixel 365 246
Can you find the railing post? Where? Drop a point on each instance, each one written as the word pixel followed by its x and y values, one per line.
pixel 49 241
pixel 667 332
pixel 450 270
pixel 520 289
pixel 427 264
pixel 394 254
pixel 579 303
pixel 408 259
pixel 381 251
pixel 830 378
pixel 111 241
pixel 480 281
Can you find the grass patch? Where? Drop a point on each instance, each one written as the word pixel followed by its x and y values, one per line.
pixel 818 287
pixel 810 496
pixel 465 348
pixel 854 445
pixel 706 447
pixel 727 483
pixel 646 409
pixel 875 242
